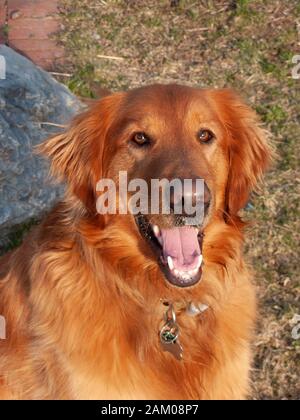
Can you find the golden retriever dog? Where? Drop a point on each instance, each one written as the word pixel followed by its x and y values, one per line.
pixel 139 306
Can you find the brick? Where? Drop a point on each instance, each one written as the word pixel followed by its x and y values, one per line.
pixel 2 21
pixel 33 8
pixel 32 28
pixel 36 45
pixel 2 13
pixel 39 54
pixel 31 24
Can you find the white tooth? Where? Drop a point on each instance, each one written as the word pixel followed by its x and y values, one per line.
pixel 156 230
pixel 170 263
pixel 176 272
pixel 199 262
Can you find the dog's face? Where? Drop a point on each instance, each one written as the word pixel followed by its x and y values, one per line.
pixel 167 132
pixel 171 133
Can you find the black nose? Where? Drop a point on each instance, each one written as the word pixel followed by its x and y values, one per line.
pixel 190 196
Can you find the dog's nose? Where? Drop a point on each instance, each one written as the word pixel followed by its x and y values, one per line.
pixel 191 195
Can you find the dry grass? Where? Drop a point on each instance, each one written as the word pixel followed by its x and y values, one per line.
pixel 244 44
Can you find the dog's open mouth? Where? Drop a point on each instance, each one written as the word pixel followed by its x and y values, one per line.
pixel 179 251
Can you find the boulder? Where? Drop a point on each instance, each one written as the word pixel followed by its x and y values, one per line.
pixel 32 107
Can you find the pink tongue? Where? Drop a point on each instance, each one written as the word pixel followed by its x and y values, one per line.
pixel 182 245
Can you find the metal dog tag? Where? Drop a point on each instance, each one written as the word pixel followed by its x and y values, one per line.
pixel 169 335
pixel 174 348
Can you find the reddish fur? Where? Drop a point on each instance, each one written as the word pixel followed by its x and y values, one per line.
pixel 82 299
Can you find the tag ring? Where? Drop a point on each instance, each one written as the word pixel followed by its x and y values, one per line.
pixel 170 315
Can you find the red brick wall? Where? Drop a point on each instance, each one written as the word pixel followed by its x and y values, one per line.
pixel 31 24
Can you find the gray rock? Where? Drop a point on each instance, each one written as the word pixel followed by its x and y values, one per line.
pixel 30 99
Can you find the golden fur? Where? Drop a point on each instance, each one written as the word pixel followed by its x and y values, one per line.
pixel 81 296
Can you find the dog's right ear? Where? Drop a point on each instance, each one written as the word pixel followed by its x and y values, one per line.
pixel 76 154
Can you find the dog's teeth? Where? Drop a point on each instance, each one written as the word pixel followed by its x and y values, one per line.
pixel 170 263
pixel 184 275
pixel 200 260
pixel 156 230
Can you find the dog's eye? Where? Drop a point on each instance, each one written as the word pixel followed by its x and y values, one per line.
pixel 141 139
pixel 205 136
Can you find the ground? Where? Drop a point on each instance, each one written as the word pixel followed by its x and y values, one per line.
pixel 244 44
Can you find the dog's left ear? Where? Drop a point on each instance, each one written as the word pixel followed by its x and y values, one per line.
pixel 76 154
pixel 249 148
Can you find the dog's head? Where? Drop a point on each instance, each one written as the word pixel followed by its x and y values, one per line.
pixel 164 132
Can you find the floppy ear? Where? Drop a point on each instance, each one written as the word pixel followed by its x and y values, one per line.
pixel 250 151
pixel 76 154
